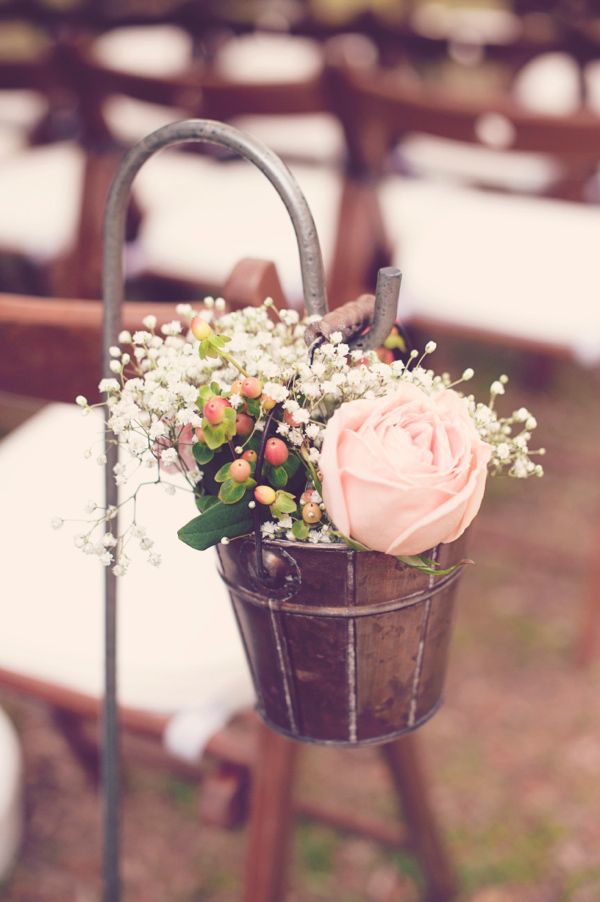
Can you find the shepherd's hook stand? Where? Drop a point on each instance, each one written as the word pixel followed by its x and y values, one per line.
pixel 313 281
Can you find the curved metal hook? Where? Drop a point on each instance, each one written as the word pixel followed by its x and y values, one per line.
pixel 211 132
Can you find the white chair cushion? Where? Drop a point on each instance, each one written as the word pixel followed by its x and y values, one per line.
pixel 203 216
pixel 41 198
pixel 517 266
pixel 549 84
pixel 156 50
pixel 431 157
pixel 11 140
pixel 130 120
pixel 313 136
pixel 466 24
pixel 21 107
pixel 269 58
pixel 178 641
pixel 11 801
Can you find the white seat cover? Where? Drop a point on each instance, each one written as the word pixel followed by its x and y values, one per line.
pixel 269 58
pixel 549 83
pixel 11 801
pixel 314 136
pixel 518 266
pixel 156 50
pixel 178 642
pixel 21 107
pixel 427 156
pixel 41 198
pixel 203 216
pixel 130 120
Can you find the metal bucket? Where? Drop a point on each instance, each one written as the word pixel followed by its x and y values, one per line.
pixel 344 647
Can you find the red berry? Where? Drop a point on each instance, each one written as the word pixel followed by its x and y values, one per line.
pixel 243 425
pixel 214 410
pixel 251 387
pixel 264 494
pixel 250 456
pixel 240 470
pixel 289 419
pixel 200 328
pixel 276 452
pixel 306 497
pixel 385 356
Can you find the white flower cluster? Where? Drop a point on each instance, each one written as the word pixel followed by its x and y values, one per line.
pixel 153 402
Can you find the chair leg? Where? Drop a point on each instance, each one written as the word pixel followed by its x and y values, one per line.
pixel 271 817
pixel 84 749
pixel 588 640
pixel 402 759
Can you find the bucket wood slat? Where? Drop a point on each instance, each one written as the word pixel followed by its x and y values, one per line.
pixel 347 648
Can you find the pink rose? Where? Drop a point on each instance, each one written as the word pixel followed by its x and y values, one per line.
pixel 405 472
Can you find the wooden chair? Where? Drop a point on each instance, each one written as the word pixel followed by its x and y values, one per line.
pixel 515 270
pixel 66 358
pixel 489 249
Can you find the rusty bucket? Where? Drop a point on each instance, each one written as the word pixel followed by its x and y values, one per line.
pixel 344 647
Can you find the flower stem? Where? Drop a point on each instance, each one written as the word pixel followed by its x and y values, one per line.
pixel 225 356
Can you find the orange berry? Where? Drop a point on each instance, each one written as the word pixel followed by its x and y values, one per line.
pixel 200 328
pixel 200 434
pixel 267 403
pixel 214 410
pixel 251 387
pixel 236 387
pixel 276 452
pixel 240 470
pixel 264 494
pixel 243 425
pixel 250 456
pixel 311 513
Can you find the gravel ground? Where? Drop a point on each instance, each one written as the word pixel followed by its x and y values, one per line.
pixel 514 754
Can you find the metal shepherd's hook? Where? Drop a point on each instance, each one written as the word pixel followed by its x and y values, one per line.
pixel 313 281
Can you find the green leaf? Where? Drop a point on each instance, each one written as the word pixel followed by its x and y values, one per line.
pixel 202 453
pixel 300 530
pixel 231 492
pixel 277 476
pixel 253 405
pixel 203 502
pixel 352 543
pixel 222 473
pixel 219 521
pixel 284 504
pixel 205 394
pixel 418 562
pixel 215 388
pixel 228 423
pixel 214 435
pixel 291 465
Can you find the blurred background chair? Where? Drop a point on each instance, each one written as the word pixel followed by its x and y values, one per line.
pixel 11 796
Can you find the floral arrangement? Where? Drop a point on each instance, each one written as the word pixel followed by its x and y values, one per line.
pixel 360 448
